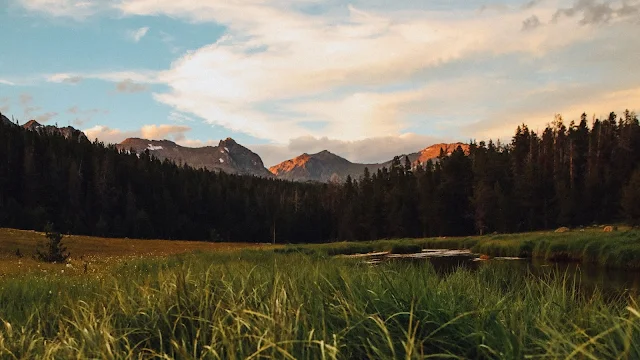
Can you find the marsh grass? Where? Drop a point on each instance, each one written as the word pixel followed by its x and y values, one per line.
pixel 260 304
pixel 619 249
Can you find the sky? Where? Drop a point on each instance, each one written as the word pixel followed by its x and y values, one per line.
pixel 365 79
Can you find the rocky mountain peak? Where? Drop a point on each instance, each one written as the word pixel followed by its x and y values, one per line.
pixel 323 166
pixel 228 156
pixel 433 152
pixel 68 132
pixel 32 125
pixel 228 141
pixel 326 166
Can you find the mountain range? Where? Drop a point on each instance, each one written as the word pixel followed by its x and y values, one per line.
pixel 326 166
pixel 68 131
pixel 228 156
pixel 233 158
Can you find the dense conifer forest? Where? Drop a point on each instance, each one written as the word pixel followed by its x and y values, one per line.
pixel 580 174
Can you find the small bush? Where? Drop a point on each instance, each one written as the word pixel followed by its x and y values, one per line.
pixel 53 251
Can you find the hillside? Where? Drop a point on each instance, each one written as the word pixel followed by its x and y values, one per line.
pixel 228 156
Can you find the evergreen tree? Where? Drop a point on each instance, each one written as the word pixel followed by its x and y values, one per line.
pixel 631 199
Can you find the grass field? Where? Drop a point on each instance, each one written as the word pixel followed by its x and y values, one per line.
pixel 164 299
pixel 260 304
pixel 98 253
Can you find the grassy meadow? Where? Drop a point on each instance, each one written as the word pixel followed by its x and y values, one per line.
pixel 222 301
pixel 98 253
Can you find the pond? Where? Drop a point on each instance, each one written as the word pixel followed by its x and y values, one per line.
pixel 590 276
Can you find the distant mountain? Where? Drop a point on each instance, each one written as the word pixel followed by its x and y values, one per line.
pixel 68 132
pixel 228 156
pixel 325 166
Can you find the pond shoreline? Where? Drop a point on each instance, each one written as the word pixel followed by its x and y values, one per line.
pixel 614 250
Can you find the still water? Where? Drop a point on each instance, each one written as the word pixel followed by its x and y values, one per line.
pixel 589 276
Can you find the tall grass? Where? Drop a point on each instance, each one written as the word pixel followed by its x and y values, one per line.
pixel 615 250
pixel 257 304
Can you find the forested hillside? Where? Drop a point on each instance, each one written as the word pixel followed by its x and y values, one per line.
pixel 566 175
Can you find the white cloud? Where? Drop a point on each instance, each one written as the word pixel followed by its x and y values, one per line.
pixel 160 132
pixel 151 132
pixel 64 78
pixel 135 76
pixel 77 9
pixel 373 74
pixel 266 80
pixel 6 82
pixel 137 35
pixel 179 117
pixel 109 135
pixel 128 86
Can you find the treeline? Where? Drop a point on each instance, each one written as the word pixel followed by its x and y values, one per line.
pixel 565 176
pixel 88 188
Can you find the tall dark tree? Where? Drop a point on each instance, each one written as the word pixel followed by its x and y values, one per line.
pixel 562 176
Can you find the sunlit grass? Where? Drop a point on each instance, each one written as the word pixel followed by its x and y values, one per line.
pixel 259 304
pixel 98 253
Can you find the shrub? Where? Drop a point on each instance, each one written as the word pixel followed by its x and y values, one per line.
pixel 630 200
pixel 53 250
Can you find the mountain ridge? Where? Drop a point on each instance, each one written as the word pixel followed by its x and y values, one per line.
pixel 326 166
pixel 323 166
pixel 228 156
pixel 68 131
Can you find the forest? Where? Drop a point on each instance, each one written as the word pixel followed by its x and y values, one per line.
pixel 582 173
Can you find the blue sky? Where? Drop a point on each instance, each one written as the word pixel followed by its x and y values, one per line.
pixel 364 79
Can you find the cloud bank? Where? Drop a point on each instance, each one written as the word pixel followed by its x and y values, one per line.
pixel 352 72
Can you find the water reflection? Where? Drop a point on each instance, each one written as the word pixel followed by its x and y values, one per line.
pixel 588 275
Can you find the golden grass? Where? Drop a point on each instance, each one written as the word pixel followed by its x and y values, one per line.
pixel 98 253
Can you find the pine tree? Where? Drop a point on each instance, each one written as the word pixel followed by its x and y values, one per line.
pixel 53 251
pixel 631 198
